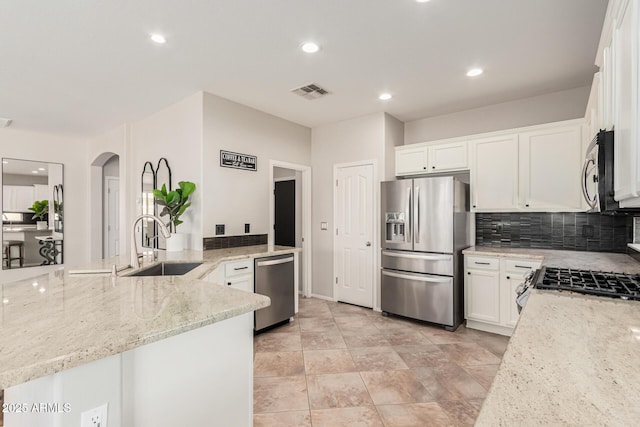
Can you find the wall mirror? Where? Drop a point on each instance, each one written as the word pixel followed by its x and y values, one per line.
pixel 32 238
pixel 148 182
pixel 163 177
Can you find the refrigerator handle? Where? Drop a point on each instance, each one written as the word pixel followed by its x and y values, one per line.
pixel 416 219
pixel 407 234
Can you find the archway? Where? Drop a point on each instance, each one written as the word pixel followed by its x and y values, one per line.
pixel 105 210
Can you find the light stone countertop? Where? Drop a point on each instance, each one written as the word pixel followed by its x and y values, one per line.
pixel 572 361
pixel 57 321
pixel 580 260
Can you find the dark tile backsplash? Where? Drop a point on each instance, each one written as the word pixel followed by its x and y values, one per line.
pixel 567 231
pixel 234 241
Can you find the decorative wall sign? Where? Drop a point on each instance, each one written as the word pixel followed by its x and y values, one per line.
pixel 230 159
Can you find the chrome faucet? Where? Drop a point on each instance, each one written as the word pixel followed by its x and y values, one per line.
pixel 135 256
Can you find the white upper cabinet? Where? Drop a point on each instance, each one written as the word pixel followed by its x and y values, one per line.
pixel 494 174
pixel 549 172
pixel 411 160
pixel 626 39
pixel 449 157
pixel 17 198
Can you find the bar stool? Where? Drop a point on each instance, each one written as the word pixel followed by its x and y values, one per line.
pixel 7 255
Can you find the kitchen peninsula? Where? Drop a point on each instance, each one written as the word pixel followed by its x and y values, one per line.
pixel 178 349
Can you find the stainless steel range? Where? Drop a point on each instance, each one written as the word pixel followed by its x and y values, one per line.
pixel 614 285
pixel 598 283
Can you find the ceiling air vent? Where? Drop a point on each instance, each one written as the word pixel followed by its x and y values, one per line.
pixel 310 91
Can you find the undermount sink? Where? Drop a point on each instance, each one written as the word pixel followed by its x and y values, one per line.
pixel 167 269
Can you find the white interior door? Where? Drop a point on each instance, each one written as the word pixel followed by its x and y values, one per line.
pixel 354 234
pixel 112 213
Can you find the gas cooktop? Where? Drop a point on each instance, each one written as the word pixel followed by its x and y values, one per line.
pixel 614 285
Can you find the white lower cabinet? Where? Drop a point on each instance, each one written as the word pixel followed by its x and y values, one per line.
pixel 490 291
pixel 235 274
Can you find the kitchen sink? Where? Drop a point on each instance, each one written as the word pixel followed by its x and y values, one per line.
pixel 167 269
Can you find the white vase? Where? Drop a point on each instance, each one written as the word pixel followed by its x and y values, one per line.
pixel 176 242
pixel 41 225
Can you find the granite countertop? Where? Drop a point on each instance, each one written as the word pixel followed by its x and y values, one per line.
pixel 57 321
pixel 580 260
pixel 572 360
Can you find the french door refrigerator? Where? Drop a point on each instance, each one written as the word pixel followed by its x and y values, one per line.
pixel 426 224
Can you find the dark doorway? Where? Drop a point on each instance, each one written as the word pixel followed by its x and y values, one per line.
pixel 285 201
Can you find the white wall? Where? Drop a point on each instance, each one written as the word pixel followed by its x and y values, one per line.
pixel 347 141
pixel 393 136
pixel 236 197
pixel 70 152
pixel 176 134
pixel 552 107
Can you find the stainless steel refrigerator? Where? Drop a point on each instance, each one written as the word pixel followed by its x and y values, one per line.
pixel 426 224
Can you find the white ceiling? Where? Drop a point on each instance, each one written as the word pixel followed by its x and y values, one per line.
pixel 84 67
pixel 24 167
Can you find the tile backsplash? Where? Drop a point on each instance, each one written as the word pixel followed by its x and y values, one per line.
pixel 567 231
pixel 234 241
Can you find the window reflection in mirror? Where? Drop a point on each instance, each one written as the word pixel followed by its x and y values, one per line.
pixel 32 213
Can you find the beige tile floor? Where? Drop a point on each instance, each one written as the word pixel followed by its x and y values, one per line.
pixel 342 365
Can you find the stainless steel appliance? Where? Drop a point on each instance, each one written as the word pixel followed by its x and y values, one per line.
pixel 598 283
pixel 274 277
pixel 426 224
pixel 597 175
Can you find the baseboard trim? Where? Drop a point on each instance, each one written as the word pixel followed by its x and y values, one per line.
pixel 487 327
pixel 323 297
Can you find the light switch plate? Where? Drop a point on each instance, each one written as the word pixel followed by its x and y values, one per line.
pixel 324 226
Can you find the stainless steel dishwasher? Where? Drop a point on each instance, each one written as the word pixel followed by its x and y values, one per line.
pixel 274 278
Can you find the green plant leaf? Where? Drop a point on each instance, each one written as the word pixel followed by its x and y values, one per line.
pixel 187 187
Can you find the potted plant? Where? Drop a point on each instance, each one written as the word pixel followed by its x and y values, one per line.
pixel 174 203
pixel 40 210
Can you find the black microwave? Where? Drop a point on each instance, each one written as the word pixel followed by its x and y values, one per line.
pixel 597 176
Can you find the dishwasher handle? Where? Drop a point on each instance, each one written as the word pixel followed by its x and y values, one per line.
pixel 274 262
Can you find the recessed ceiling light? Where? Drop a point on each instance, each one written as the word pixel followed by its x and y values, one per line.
pixel 34 171
pixel 42 290
pixel 40 169
pixel 422 1
pixel 474 72
pixel 385 97
pixel 4 162
pixel 158 38
pixel 310 47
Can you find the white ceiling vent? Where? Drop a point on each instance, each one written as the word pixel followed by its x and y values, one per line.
pixel 310 91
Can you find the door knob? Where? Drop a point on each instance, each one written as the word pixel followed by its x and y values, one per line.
pixel 368 243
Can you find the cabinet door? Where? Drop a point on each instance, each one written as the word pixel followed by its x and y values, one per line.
pixel 625 82
pixel 412 160
pixel 243 283
pixel 41 192
pixel 446 157
pixel 482 296
pixel 21 198
pixel 550 165
pixel 7 198
pixel 494 174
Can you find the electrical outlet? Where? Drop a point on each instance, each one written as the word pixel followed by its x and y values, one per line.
pixel 96 417
pixel 219 229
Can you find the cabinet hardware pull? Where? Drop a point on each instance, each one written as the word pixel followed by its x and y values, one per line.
pixel 523 266
pixel 508 277
pixel 241 268
pixel 468 272
pixel 228 283
pixel 483 263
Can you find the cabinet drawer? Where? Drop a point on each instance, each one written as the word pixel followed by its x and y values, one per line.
pixel 482 263
pixel 237 268
pixel 521 265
